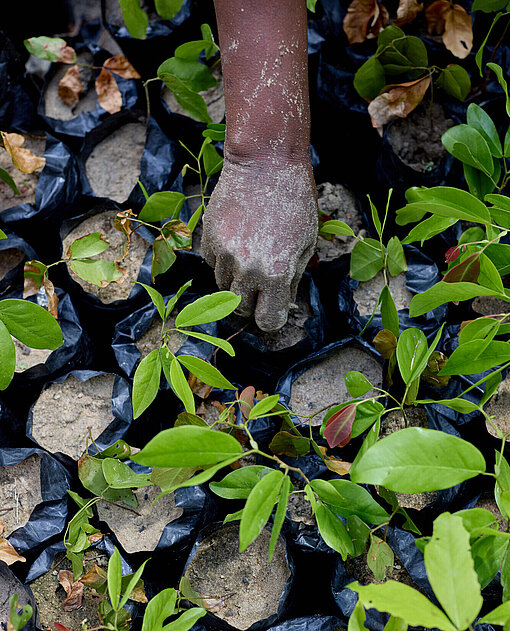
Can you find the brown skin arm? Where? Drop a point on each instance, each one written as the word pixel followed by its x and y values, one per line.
pixel 260 226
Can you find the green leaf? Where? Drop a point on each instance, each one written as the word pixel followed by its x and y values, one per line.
pixel 395 258
pixel 98 272
pixel 135 19
pixel 446 201
pixel 192 102
pixel 47 48
pixel 192 50
pixel 146 382
pixel 186 620
pixel 367 413
pixel 90 472
pixel 415 460
pixel 208 309
pixel 119 476
pixel 216 341
pixel 215 131
pixel 162 205
pixel 205 476
pixel 479 184
pixel 451 572
pixel 483 123
pixel 238 484
pixel 193 75
pixel 2 235
pixel 205 372
pixel 192 223
pixel 476 356
pixel 502 82
pixel 356 383
pixel 501 209
pixel 369 79
pixel 500 615
pixel 443 292
pixel 460 405
pixel 489 6
pixel 9 181
pixel 346 498
pixel 163 257
pixel 395 624
pixel 173 300
pixel 213 162
pixel 188 446
pixel 412 354
pixel 333 531
pixel 388 35
pixel 499 254
pixel 31 324
pixel 159 608
pixel 7 357
pixel 454 80
pixel 469 146
pixel 132 584
pixel 379 557
pixel 404 602
pixel 286 444
pixel 506 144
pixel 488 552
pixel 89 245
pixel 168 9
pixel 258 507
pixel 114 575
pixel 389 313
pixel 156 298
pixel 263 407
pixel 334 226
pixel 359 533
pixel 310 5
pixel 178 382
pixel 366 259
pixel 281 511
pixel 358 618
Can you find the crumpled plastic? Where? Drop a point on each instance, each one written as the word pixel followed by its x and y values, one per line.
pixel 10 585
pixel 11 285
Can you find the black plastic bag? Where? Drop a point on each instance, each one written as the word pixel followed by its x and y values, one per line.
pixel 11 285
pixel 10 585
pixel 16 108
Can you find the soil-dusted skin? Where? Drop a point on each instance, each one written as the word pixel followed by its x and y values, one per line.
pixel 260 227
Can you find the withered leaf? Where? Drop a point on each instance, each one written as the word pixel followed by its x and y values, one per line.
pixel 436 362
pixel 407 11
pixel 70 86
pixel 122 222
pixel 198 387
pixel 458 31
pixel 138 593
pixel 287 444
pixel 95 537
pixel 73 589
pixel 34 273
pixel 108 93
pixel 52 297
pixel 385 343
pixel 397 101
pixel 335 464
pixel 23 159
pixel 435 16
pixel 67 55
pixel 364 19
pixel 121 66
pixel 7 553
pixel 95 577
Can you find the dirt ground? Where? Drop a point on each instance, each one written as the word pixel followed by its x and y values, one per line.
pixel 152 337
pixel 499 408
pixel 20 492
pixel 54 106
pixel 26 182
pixel 367 293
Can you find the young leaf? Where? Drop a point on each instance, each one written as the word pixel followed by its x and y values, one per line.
pixel 333 531
pixel 208 309
pixel 168 9
pixel 346 498
pixel 9 181
pixel 175 377
pixel 188 446
pixel 205 372
pixel 146 382
pixel 163 205
pixel 263 407
pixel 238 484
pixel 114 579
pixel 379 557
pixel 156 298
pixel 161 607
pixel 356 383
pixel 89 245
pixel 451 571
pixel 281 511
pixel 338 426
pixel 483 123
pixel 395 257
pixel 135 19
pixel 30 323
pixel 8 357
pixel 415 460
pixel 366 259
pixel 258 508
pixel 467 271
pixel 404 602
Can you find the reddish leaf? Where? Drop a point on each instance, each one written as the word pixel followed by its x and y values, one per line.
pixel 108 93
pixel 407 11
pixel 364 20
pixel 246 400
pixel 60 627
pixel 339 426
pixel 121 66
pixel 70 86
pixel 73 589
pixel 452 254
pixel 397 101
pixel 466 272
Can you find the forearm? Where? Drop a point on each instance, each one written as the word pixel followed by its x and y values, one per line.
pixel 264 59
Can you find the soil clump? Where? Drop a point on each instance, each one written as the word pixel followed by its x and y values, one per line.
pixel 113 166
pixel 140 529
pixel 367 293
pixel 323 384
pixel 248 587
pixel 131 263
pixel 26 182
pixel 20 493
pixel 417 139
pixel 64 411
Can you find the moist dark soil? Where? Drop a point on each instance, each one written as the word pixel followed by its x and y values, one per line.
pixel 248 586
pixel 417 139
pixel 49 595
pixel 20 492
pixel 323 384
pixel 339 203
pixel 64 411
pixel 140 529
pixel 103 223
pixel 367 293
pixel 113 166
pixel 499 408
pixel 26 182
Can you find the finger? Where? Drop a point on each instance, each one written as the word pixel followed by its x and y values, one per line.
pixel 223 271
pixel 245 287
pixel 300 269
pixel 273 304
pixel 207 251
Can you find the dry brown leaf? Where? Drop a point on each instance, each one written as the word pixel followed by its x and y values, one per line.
pixel 67 55
pixel 108 93
pixel 73 589
pixel 70 86
pixel 23 159
pixel 397 101
pixel 95 537
pixel 201 389
pixel 138 593
pixel 7 553
pixel 335 464
pixel 121 66
pixel 435 15
pixel 52 297
pixel 407 11
pixel 458 31
pixel 364 20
